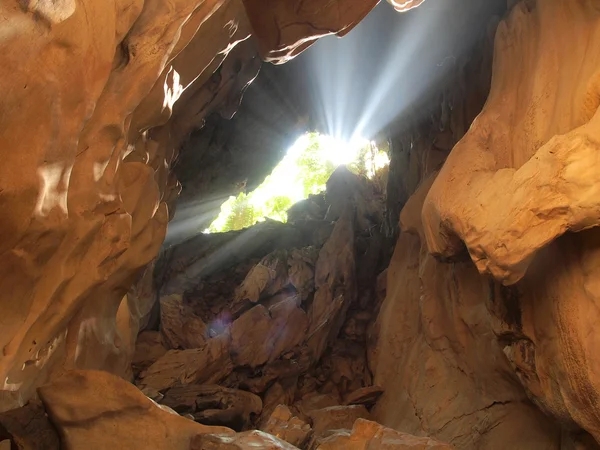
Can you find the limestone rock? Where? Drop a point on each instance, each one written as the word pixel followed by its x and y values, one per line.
pixel 434 324
pixel 281 392
pixel 89 193
pixel 520 189
pixel 404 5
pixel 364 396
pixel 262 335
pixel 284 29
pixel 250 337
pixel 284 425
pixel 367 435
pixel 181 328
pixel 215 405
pixel 148 348
pixel 301 270
pixel 335 284
pixel 336 417
pixel 241 441
pixel 315 401
pixel 99 410
pixel 28 428
pixel 208 364
pixel 268 277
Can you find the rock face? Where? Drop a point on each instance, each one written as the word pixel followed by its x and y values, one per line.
pixel 93 409
pixel 367 435
pixel 113 89
pixel 282 313
pixel 524 176
pixel 285 28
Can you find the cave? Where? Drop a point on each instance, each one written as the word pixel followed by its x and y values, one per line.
pixel 445 301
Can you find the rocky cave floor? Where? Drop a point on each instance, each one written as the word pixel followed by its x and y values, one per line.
pixel 266 331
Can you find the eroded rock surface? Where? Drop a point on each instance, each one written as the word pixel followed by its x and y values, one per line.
pixel 367 435
pixel 93 409
pixel 515 188
pixel 113 89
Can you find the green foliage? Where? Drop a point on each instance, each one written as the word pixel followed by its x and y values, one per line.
pixel 314 170
pixel 304 171
pixel 277 207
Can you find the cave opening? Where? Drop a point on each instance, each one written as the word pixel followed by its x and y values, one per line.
pixel 302 173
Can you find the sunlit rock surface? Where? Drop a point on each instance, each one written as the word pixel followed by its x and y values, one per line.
pixel 283 306
pixel 111 90
pixel 285 28
pixel 93 409
pixel 515 189
pixel 304 330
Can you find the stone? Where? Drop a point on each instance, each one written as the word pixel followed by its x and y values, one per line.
pixel 335 285
pixel 519 190
pixel 284 29
pixel 148 348
pixel 268 277
pixel 92 196
pixel 215 405
pixel 283 424
pixel 208 364
pixel 367 435
pixel 93 409
pixel 241 441
pixel 301 270
pixel 28 428
pixel 336 417
pixel 313 401
pixel 281 392
pixel 260 335
pixel 181 328
pixel 364 396
pixel 251 342
pixel 457 377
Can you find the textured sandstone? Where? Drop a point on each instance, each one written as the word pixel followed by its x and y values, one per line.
pixel 28 428
pixel 215 405
pixel 242 441
pixel 180 327
pixel 285 28
pixel 283 424
pixel 97 410
pixel 367 435
pixel 336 417
pixel 525 175
pixel 531 158
pixel 88 206
pixel 438 360
pixel 207 364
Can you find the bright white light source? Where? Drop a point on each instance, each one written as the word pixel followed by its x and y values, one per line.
pixel 341 152
pixel 303 171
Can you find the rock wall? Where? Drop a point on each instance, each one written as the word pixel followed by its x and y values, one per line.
pixel 523 180
pixel 97 97
pixel 518 192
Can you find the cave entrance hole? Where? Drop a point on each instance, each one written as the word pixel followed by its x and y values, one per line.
pixel 302 172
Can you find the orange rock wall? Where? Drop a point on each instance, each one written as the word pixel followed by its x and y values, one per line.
pixel 96 99
pixel 520 192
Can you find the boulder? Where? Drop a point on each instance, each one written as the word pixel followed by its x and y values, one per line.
pixel 98 410
pixel 364 396
pixel 148 348
pixel 367 435
pixel 181 328
pixel 215 405
pixel 207 364
pixel 256 440
pixel 283 424
pixel 336 417
pixel 28 428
